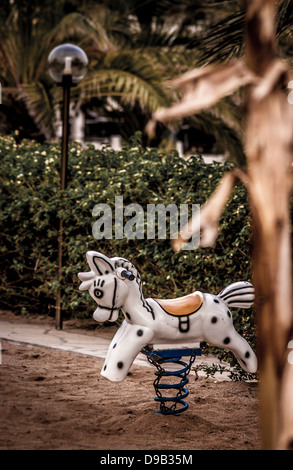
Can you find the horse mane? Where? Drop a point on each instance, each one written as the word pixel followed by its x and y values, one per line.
pixel 125 263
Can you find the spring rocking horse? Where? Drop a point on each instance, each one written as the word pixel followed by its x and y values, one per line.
pixel 115 284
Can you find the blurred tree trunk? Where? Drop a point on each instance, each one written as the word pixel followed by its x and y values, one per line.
pixel 269 159
pixel 268 178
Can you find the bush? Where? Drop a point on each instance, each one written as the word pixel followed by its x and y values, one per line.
pixel 32 203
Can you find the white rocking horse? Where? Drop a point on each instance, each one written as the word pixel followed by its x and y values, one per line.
pixel 115 283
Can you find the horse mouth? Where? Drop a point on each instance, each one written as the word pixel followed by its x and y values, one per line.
pixel 110 309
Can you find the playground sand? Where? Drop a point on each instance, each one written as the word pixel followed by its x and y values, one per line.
pixel 51 399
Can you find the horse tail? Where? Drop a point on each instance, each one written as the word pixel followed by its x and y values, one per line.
pixel 238 295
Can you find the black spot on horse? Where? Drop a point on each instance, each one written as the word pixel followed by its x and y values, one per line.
pixel 227 340
pixel 120 365
pixel 105 367
pixel 247 354
pixel 214 320
pixel 216 301
pixel 139 332
pixel 228 313
pixel 114 345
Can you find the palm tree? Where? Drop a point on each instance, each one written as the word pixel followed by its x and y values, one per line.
pixel 132 47
pixel 29 32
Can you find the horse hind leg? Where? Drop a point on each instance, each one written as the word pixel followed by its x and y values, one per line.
pixel 242 351
pixel 218 330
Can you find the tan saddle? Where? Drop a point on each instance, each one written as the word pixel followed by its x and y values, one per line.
pixel 185 305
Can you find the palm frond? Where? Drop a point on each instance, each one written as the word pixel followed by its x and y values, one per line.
pixel 223 40
pixel 129 75
pixel 284 30
pixel 80 27
pixel 120 83
pixel 40 106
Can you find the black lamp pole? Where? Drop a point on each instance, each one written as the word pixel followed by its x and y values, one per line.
pixel 66 85
pixel 67 66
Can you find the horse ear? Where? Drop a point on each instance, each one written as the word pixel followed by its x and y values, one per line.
pixel 238 295
pixel 99 263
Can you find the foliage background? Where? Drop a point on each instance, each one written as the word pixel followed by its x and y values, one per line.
pixel 31 204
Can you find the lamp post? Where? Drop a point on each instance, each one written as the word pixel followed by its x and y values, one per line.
pixel 67 66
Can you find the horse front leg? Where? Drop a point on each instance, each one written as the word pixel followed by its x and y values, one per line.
pixel 123 349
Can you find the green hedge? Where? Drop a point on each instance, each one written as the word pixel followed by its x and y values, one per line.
pixel 31 205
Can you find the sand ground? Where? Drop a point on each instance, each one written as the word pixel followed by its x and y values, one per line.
pixel 53 399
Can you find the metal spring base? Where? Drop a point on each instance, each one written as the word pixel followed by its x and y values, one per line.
pixel 172 404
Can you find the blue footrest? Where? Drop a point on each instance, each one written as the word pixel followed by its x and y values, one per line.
pixel 173 353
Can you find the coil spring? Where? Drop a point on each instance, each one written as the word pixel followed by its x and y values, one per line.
pixel 172 404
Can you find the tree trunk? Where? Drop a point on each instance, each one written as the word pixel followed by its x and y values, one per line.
pixel 268 150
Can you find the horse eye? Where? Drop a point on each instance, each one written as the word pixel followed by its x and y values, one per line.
pixel 98 293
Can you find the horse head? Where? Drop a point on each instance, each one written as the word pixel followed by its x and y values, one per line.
pixel 108 283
